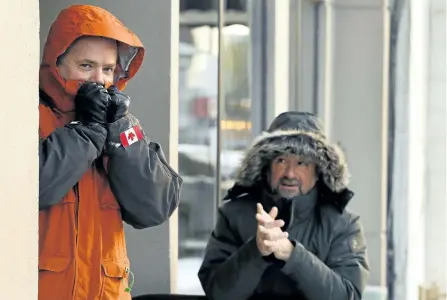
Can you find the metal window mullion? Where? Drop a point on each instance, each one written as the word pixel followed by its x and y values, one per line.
pixel 257 11
pixel 220 99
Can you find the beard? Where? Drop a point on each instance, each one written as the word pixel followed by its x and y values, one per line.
pixel 288 188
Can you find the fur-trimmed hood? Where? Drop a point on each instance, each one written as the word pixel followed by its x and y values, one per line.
pixel 297 133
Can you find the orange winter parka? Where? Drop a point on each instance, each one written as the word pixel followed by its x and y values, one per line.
pixel 85 195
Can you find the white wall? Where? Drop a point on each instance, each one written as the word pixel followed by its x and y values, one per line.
pixel 435 155
pixel 419 179
pixel 19 35
pixel 353 100
pixel 416 185
pixel 401 173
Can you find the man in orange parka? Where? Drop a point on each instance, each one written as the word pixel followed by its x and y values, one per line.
pixel 97 167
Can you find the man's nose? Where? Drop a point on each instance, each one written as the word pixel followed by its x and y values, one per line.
pixel 290 171
pixel 98 77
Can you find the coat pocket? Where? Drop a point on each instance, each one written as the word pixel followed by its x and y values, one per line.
pixel 115 281
pixel 56 278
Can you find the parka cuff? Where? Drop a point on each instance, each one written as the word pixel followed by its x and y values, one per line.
pixel 295 258
pixel 118 137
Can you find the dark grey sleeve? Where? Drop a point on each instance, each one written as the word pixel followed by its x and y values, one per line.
pixel 230 270
pixel 144 184
pixel 64 156
pixel 344 274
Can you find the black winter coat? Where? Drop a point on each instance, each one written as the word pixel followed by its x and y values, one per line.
pixel 328 262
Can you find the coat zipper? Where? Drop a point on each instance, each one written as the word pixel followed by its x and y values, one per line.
pixel 76 191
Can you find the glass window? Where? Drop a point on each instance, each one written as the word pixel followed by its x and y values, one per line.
pixel 198 130
pixel 198 71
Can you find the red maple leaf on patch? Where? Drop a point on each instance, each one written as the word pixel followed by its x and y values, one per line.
pixel 131 136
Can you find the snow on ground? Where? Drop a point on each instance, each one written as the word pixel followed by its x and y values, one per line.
pixel 187 282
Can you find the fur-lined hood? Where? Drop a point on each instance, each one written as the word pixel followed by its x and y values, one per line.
pixel 301 134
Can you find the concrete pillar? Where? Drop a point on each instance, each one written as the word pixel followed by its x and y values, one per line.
pixel 154 93
pixel 401 160
pixel 420 153
pixel 352 99
pixel 435 191
pixel 417 109
pixel 419 191
pixel 19 34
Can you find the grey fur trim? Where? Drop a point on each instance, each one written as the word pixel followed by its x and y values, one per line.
pixel 329 159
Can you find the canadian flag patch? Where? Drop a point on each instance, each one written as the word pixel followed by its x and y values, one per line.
pixel 130 136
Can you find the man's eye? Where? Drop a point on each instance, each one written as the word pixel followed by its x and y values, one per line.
pixel 301 163
pixel 86 66
pixel 108 70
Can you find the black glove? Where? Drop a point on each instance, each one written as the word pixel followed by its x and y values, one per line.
pixel 91 104
pixel 118 105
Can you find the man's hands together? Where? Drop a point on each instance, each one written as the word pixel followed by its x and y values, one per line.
pixel 99 108
pixel 118 105
pixel 92 103
pixel 269 236
pixel 96 104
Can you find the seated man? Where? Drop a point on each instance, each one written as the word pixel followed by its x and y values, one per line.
pixel 308 246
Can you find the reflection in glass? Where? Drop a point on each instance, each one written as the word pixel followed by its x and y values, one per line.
pixel 198 93
pixel 197 99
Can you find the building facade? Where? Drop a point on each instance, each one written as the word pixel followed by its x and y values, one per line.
pixel 215 74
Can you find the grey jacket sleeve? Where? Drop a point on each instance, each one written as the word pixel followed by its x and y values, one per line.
pixel 64 156
pixel 344 274
pixel 230 270
pixel 146 187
